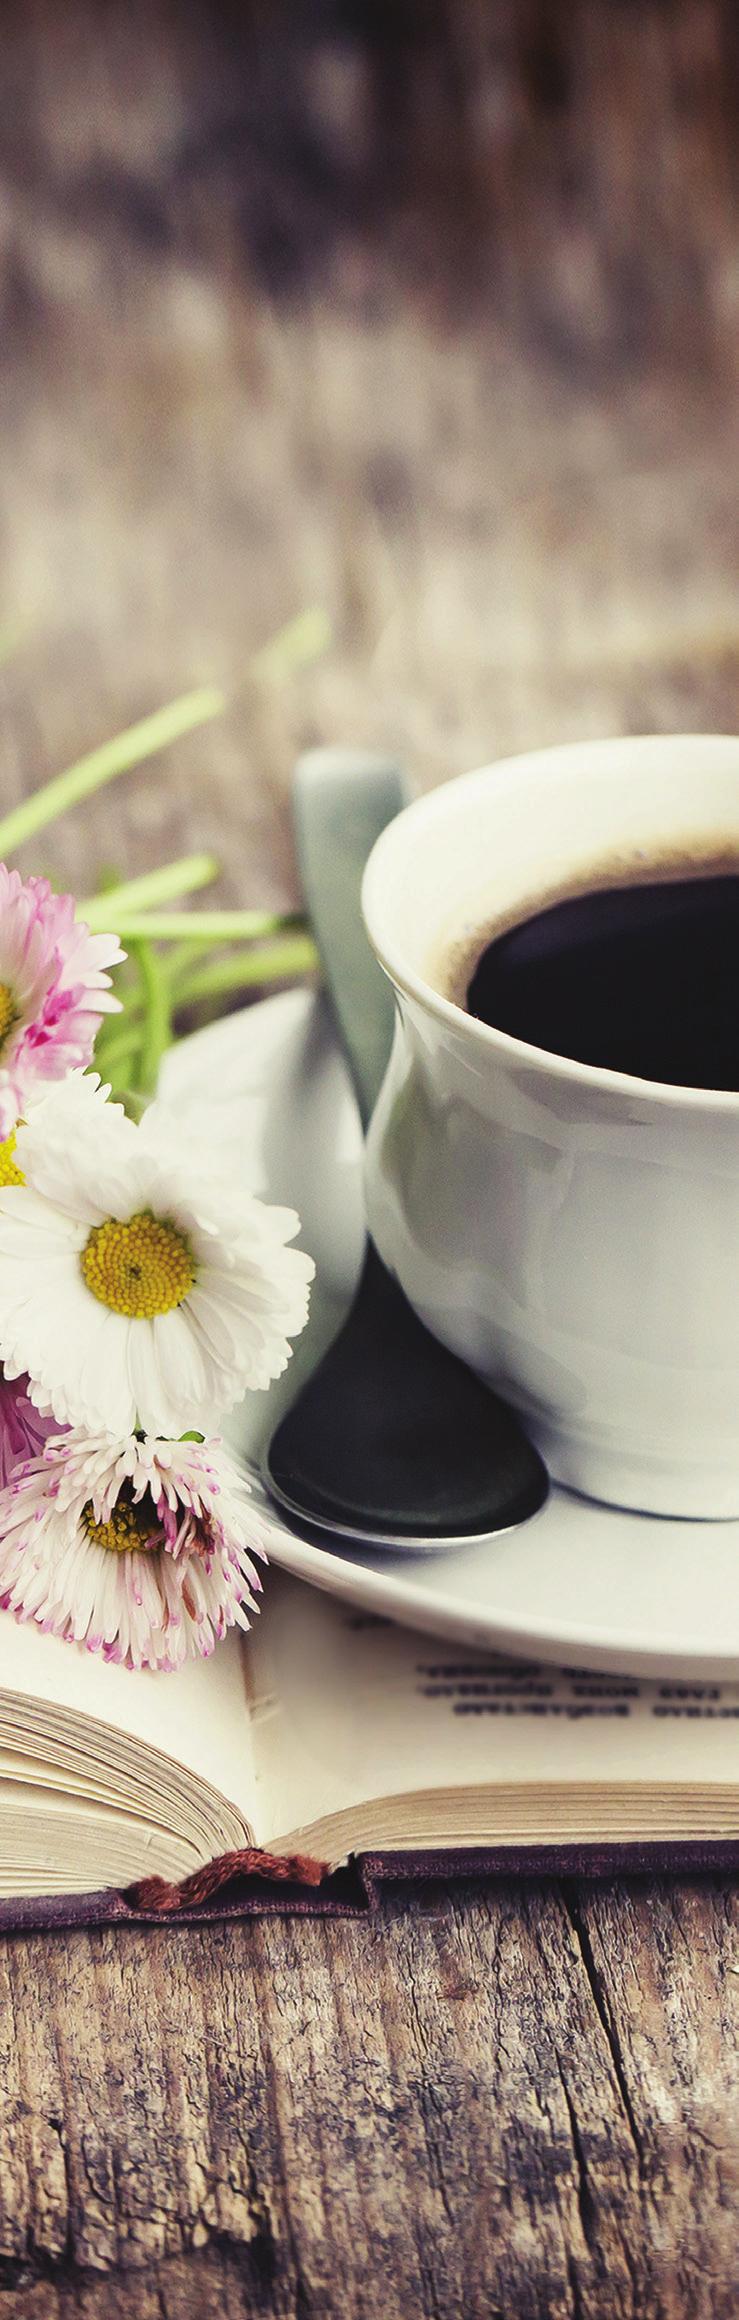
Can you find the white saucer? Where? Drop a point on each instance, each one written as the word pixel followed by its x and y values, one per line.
pixel 581 1584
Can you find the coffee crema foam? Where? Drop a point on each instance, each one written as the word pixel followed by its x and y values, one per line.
pixel 454 959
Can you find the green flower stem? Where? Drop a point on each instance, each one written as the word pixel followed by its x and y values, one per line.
pixel 191 872
pixel 156 1031
pixel 267 963
pixel 187 977
pixel 199 926
pixel 113 757
pixel 129 1050
pixel 114 1057
pixel 178 958
pixel 297 644
pixel 294 647
pixel 10 638
pixel 172 962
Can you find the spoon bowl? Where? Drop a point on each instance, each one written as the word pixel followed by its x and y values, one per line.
pixel 393 1441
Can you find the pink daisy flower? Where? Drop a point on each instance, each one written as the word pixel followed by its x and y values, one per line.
pixel 23 1431
pixel 54 989
pixel 140 1549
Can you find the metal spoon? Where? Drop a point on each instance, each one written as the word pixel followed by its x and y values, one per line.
pixel 392 1441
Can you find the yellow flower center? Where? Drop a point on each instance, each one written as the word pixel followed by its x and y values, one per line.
pixel 8 1011
pixel 141 1267
pixel 132 1526
pixel 9 1174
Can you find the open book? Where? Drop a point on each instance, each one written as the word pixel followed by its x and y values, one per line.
pixel 327 1732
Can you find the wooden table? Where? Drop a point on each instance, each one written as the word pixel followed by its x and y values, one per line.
pixel 434 328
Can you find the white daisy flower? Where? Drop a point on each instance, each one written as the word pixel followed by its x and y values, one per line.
pixel 140 1287
pixel 141 1550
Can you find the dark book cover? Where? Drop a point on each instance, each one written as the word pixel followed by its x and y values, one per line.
pixel 261 1884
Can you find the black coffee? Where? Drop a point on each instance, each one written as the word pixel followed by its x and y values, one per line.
pixel 640 979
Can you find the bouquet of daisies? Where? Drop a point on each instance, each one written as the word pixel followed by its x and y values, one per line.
pixel 142 1291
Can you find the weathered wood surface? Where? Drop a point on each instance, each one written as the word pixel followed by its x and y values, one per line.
pixel 510 2103
pixel 430 316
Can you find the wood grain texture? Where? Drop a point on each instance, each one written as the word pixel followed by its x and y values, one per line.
pixel 427 314
pixel 507 2103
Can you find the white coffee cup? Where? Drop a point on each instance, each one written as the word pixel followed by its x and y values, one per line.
pixel 572 1232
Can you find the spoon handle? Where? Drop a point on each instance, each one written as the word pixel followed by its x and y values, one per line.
pixel 342 799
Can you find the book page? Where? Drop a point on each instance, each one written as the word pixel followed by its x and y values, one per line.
pixel 198 1715
pixel 347 1708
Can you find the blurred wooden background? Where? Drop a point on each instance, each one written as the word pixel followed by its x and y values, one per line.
pixel 426 311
